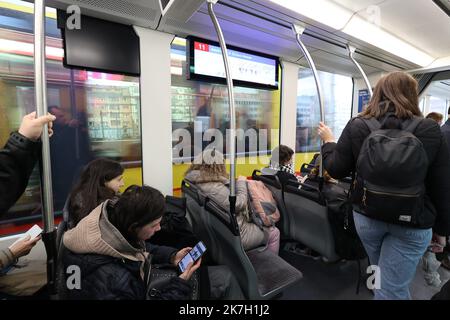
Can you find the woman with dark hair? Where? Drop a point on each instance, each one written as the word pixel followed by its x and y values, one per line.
pixel 394 247
pixel 99 181
pixel 109 246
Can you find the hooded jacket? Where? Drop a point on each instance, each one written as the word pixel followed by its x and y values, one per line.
pixel 340 159
pixel 111 268
pixel 216 188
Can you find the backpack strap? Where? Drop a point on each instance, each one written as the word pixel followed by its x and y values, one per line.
pixel 412 124
pixel 372 124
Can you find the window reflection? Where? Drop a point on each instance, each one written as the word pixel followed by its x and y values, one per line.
pixel 199 106
pixel 98 114
pixel 436 98
pixel 337 95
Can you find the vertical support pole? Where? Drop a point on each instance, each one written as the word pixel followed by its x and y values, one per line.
pixel 351 51
pixel 40 88
pixel 232 142
pixel 298 30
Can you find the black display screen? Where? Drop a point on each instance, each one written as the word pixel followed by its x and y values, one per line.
pixel 100 45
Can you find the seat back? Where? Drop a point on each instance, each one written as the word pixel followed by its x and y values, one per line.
pixel 308 216
pixel 195 211
pixel 260 273
pixel 274 185
pixel 61 287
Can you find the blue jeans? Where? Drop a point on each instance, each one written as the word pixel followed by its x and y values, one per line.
pixel 396 250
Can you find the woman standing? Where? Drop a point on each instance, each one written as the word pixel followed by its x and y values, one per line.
pixel 395 248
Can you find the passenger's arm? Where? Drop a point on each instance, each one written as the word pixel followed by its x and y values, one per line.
pixel 17 160
pixel 18 157
pixel 161 254
pixel 241 194
pixel 438 188
pixel 6 258
pixel 338 157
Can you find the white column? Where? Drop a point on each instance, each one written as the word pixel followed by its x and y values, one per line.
pixel 156 115
pixel 427 103
pixel 289 104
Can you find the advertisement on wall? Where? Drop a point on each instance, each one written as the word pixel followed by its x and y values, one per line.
pixel 363 99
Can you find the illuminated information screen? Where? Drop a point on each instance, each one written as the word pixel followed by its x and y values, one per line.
pixel 247 67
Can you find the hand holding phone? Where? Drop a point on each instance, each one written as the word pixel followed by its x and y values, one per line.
pixel 22 246
pixel 192 256
pixel 33 232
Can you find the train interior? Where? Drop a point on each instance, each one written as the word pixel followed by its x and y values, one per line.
pixel 132 118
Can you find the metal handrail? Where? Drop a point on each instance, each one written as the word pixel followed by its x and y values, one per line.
pixel 298 30
pixel 232 136
pixel 351 50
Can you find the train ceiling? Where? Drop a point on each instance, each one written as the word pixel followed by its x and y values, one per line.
pixel 264 26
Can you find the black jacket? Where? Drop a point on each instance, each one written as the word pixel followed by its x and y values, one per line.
pixel 284 177
pixel 108 278
pixel 444 294
pixel 446 131
pixel 340 160
pixel 17 160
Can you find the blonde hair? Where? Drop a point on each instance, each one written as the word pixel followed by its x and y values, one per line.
pixel 211 164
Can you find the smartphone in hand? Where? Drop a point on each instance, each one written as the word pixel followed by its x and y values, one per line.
pixel 192 256
pixel 33 232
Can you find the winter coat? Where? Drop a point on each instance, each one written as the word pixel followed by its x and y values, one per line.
pixel 446 132
pixel 340 159
pixel 17 160
pixel 217 189
pixel 111 268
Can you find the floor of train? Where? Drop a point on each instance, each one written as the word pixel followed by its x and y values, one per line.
pixel 338 281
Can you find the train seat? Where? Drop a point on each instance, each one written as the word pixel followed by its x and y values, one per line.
pixel 272 182
pixel 261 274
pixel 308 216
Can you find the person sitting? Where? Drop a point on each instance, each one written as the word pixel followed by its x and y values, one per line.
pixel 24 277
pixel 99 181
pixel 281 164
pixel 109 246
pixel 208 172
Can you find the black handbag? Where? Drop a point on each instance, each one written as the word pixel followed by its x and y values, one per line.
pixel 348 245
pixel 161 275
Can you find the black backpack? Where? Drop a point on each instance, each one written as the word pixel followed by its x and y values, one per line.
pixel 390 173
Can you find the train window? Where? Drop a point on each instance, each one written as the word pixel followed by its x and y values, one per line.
pixel 337 91
pixel 198 106
pixel 98 114
pixel 436 98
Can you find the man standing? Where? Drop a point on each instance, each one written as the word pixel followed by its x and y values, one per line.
pixel 443 257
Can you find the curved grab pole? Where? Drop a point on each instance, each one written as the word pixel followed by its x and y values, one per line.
pixel 351 50
pixel 298 30
pixel 40 85
pixel 232 136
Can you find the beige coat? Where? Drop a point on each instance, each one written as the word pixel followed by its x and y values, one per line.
pixel 95 234
pixel 217 189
